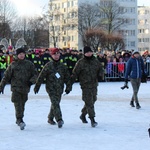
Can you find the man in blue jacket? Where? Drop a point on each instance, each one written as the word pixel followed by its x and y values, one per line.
pixel 134 70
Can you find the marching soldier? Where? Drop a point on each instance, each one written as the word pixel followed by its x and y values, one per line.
pixel 56 75
pixel 87 70
pixel 21 74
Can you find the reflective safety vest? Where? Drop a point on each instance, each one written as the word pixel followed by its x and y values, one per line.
pixel 62 61
pixel 47 58
pixel 9 60
pixel 3 64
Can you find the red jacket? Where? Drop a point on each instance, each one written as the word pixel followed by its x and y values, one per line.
pixel 121 67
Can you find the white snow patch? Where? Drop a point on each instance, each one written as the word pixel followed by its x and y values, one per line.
pixel 120 127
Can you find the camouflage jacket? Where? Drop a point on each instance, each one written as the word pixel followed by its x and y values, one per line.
pixel 56 75
pixel 87 71
pixel 20 74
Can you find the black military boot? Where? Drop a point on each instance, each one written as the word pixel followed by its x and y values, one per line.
pixel 132 104
pixel 138 106
pixel 20 123
pixel 83 118
pixel 51 121
pixel 93 122
pixel 60 123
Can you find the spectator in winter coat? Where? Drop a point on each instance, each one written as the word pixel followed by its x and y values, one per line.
pixel 109 67
pixel 134 70
pixel 121 66
pixel 56 75
pixel 126 56
pixel 21 74
pixel 87 70
pixel 103 61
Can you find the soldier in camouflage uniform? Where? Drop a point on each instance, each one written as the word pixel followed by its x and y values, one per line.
pixel 87 70
pixel 21 74
pixel 56 75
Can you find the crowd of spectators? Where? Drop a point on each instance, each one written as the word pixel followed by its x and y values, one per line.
pixel 114 63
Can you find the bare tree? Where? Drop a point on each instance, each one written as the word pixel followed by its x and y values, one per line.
pixel 39 28
pixel 35 31
pixel 111 15
pixel 88 15
pixel 55 20
pixel 113 42
pixel 7 14
pixel 94 38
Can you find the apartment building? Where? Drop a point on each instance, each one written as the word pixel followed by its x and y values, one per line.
pixel 129 29
pixel 64 23
pixel 143 28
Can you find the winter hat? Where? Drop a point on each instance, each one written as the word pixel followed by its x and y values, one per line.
pixel 135 52
pixel 20 50
pixel 54 51
pixel 1 51
pixel 87 49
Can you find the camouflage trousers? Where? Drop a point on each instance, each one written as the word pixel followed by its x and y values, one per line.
pixel 55 111
pixel 135 85
pixel 89 97
pixel 19 100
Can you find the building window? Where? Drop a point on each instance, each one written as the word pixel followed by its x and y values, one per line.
pixel 69 38
pixel 72 38
pixel 133 43
pixel 62 5
pixel 68 4
pixel 72 3
pixel 63 38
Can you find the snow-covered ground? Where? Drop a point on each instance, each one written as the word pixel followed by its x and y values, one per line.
pixel 120 126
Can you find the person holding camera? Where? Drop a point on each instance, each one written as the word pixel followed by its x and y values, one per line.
pixel 134 70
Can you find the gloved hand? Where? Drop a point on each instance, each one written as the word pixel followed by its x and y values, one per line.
pixel 67 91
pixel 149 132
pixel 1 91
pixel 125 85
pixel 29 83
pixel 36 90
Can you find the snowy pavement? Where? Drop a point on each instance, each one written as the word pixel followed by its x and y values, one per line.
pixel 120 126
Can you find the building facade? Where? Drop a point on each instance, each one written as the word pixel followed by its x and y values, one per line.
pixel 143 28
pixel 128 30
pixel 63 27
pixel 64 23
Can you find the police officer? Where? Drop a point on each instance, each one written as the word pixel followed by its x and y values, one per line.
pixel 56 75
pixel 3 64
pixel 30 55
pixel 37 62
pixel 46 57
pixel 21 74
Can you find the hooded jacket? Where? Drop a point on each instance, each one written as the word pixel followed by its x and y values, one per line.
pixel 134 68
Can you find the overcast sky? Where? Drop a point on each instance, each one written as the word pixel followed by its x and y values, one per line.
pixel 144 2
pixel 30 7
